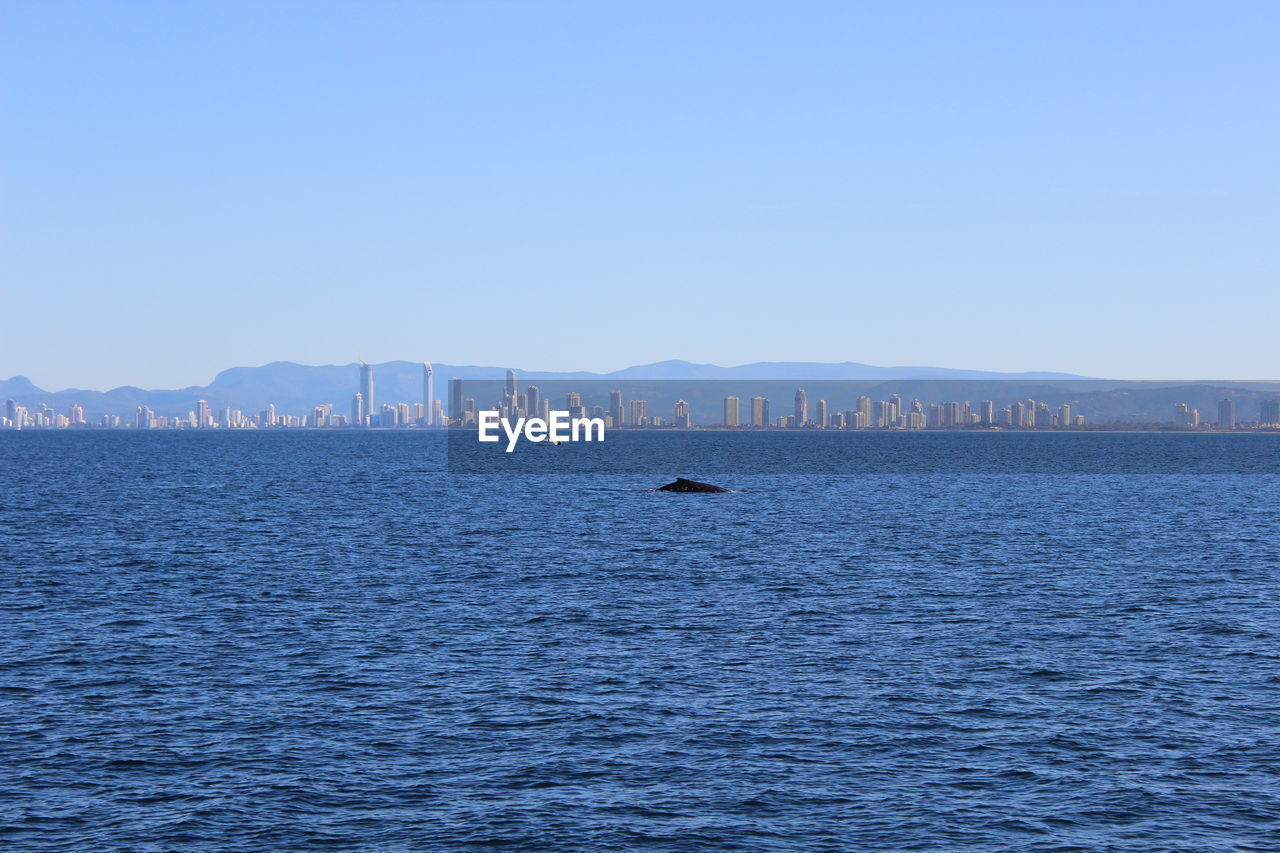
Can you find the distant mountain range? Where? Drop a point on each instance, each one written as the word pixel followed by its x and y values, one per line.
pixel 296 388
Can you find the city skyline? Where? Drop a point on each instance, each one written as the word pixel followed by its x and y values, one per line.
pixel 893 413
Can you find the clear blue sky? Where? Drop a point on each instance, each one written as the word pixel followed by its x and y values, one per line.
pixel 1088 187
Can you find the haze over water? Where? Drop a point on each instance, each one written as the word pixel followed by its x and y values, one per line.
pixel 233 641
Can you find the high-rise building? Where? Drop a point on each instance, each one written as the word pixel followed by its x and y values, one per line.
pixel 510 389
pixel 573 398
pixel 1269 415
pixel 1227 414
pixel 615 407
pixel 638 413
pixel 357 410
pixel 428 393
pixel 1184 416
pixel 863 407
pixel 682 414
pixel 532 400
pixel 987 412
pixel 204 415
pixel 820 415
pixel 457 415
pixel 731 413
pixel 366 389
pixel 801 409
pixel 759 412
pixel 1064 415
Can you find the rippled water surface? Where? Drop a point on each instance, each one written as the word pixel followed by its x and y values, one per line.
pixel 306 641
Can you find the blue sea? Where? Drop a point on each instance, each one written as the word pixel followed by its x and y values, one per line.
pixel 296 641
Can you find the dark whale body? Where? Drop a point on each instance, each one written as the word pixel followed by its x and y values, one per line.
pixel 683 485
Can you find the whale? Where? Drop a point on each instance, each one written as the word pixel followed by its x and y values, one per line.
pixel 683 485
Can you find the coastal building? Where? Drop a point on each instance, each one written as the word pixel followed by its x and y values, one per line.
pixel 366 389
pixel 456 412
pixel 759 412
pixel 1227 414
pixel 428 393
pixel 731 412
pixel 357 409
pixel 1269 415
pixel 820 414
pixel 682 414
pixel 801 415
pixel 615 407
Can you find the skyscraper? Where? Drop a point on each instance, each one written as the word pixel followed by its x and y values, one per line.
pixel 428 394
pixel 682 414
pixel 802 409
pixel 615 407
pixel 731 414
pixel 533 400
pixel 1227 414
pixel 821 415
pixel 863 408
pixel 1270 414
pixel 357 409
pixel 510 390
pixel 759 412
pixel 456 413
pixel 366 390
